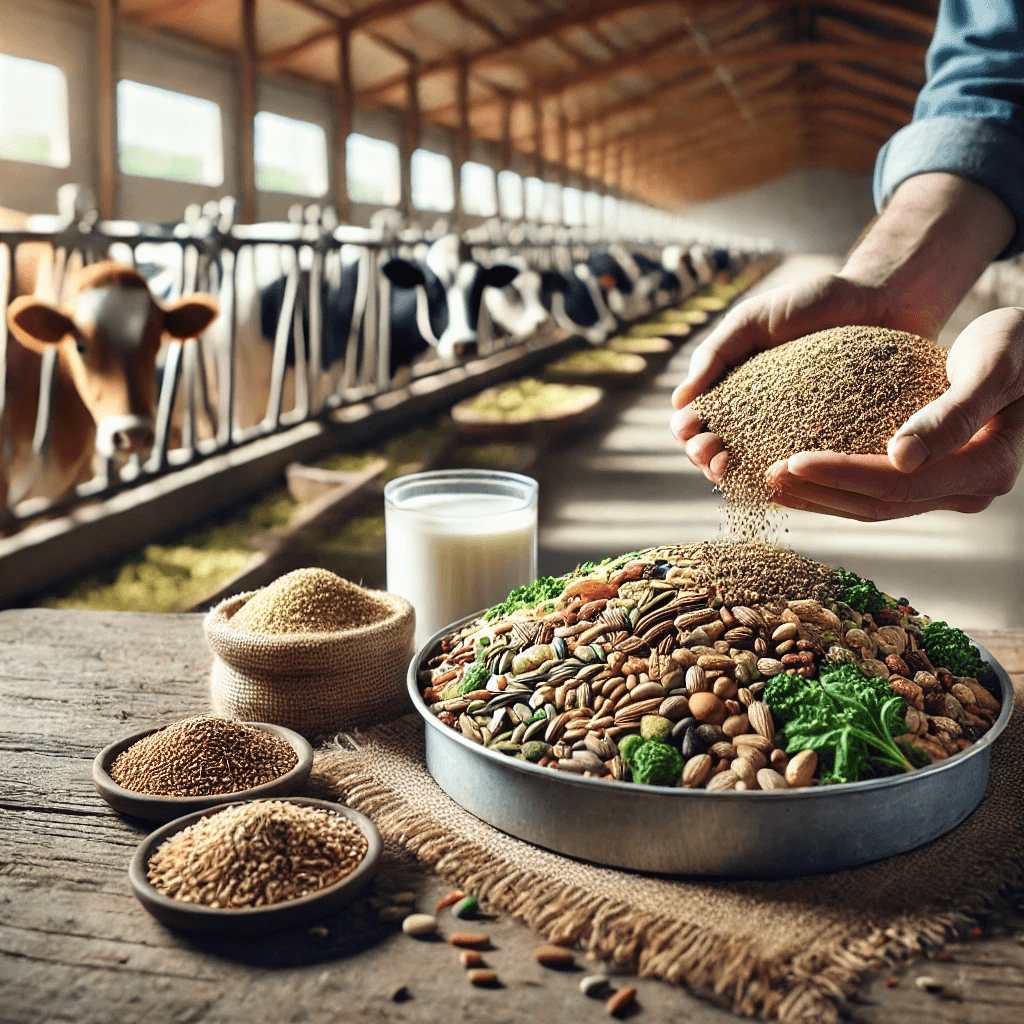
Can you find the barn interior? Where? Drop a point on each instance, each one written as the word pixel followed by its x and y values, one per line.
pixel 751 124
pixel 303 167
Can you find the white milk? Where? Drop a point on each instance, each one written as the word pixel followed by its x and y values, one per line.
pixel 452 554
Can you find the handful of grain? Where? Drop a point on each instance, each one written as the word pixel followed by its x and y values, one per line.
pixel 202 756
pixel 847 389
pixel 309 601
pixel 257 854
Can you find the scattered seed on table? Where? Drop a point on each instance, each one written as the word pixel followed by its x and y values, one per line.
pixel 403 897
pixel 928 984
pixel 469 939
pixel 482 977
pixel 619 1003
pixel 471 958
pixel 419 925
pixel 318 931
pixel 892 982
pixel 447 901
pixel 467 907
pixel 556 957
pixel 594 985
pixel 401 995
pixel 392 913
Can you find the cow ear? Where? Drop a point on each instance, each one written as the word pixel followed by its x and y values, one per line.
pixel 552 282
pixel 500 275
pixel 35 324
pixel 190 316
pixel 403 273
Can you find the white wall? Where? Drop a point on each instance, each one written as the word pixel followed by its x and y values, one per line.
pixel 816 210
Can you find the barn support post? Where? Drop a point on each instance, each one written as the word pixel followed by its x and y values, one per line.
pixel 461 141
pixel 538 139
pixel 563 157
pixel 106 105
pixel 343 123
pixel 245 129
pixel 505 145
pixel 411 137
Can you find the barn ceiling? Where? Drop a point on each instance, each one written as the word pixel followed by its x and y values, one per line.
pixel 671 101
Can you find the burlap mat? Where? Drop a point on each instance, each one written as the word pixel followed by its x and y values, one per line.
pixel 786 949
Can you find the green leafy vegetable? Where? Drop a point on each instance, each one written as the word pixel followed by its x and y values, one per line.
pixel 545 588
pixel 612 562
pixel 860 594
pixel 651 762
pixel 474 678
pixel 846 717
pixel 948 647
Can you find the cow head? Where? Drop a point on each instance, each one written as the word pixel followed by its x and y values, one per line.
pixel 577 304
pixel 108 337
pixel 453 298
pixel 518 309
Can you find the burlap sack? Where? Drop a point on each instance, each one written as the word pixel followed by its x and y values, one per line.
pixel 315 683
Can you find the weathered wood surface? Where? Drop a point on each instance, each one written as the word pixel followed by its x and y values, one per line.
pixel 75 945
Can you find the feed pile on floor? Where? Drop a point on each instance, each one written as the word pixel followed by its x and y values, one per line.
pixel 665 667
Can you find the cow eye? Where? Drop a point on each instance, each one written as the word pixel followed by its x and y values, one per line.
pixel 81 346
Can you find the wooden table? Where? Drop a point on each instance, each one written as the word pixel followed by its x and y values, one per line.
pixel 76 946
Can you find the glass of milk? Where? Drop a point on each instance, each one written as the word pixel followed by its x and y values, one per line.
pixel 458 540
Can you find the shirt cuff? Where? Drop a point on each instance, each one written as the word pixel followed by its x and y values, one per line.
pixel 982 150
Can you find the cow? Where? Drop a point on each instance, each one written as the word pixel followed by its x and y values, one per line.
pixel 576 303
pixel 106 338
pixel 677 259
pixel 628 290
pixel 435 303
pixel 518 309
pixel 667 285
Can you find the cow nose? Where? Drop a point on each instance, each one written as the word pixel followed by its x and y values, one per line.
pixel 134 440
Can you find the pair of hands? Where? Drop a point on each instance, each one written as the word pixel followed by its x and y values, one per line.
pixel 958 453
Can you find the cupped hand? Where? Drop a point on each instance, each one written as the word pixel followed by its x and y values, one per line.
pixel 957 453
pixel 762 322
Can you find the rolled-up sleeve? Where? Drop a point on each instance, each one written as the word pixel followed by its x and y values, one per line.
pixel 969 117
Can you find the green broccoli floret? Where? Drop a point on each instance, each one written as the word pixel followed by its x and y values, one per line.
pixel 545 588
pixel 860 594
pixel 474 678
pixel 951 648
pixel 651 762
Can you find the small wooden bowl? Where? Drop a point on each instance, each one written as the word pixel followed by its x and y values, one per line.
pixel 252 920
pixel 165 808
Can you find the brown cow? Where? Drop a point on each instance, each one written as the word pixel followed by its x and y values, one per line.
pixel 107 337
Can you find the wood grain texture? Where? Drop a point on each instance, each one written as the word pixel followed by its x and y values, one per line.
pixel 75 945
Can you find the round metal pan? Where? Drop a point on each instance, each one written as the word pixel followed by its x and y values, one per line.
pixel 693 832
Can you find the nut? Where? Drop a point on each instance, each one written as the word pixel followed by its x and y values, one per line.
pixel 801 769
pixel 910 692
pixel 769 779
pixel 756 741
pixel 734 725
pixel 761 720
pixel 755 757
pixel 696 681
pixel 695 771
pixel 723 780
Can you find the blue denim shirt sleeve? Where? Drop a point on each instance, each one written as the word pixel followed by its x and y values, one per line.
pixel 969 117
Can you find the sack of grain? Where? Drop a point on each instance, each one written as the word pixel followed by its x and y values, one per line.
pixel 313 654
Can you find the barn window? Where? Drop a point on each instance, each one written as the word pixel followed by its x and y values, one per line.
pixel 551 211
pixel 374 175
pixel 162 134
pixel 291 156
pixel 592 209
pixel 510 195
pixel 478 195
pixel 572 206
pixel 534 190
pixel 610 214
pixel 432 181
pixel 33 112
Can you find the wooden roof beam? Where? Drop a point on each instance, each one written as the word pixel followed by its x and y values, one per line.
pixel 876 84
pixel 155 11
pixel 893 14
pixel 571 18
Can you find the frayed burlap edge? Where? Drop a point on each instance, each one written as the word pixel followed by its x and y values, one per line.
pixel 805 989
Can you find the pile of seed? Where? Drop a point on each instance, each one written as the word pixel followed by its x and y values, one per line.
pixel 309 601
pixel 844 390
pixel 202 756
pixel 257 854
pixel 755 572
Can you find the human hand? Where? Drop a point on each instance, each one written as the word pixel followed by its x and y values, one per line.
pixel 957 453
pixel 763 322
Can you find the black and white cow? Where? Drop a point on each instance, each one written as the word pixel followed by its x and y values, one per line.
pixel 629 290
pixel 667 285
pixel 576 303
pixel 436 302
pixel 676 258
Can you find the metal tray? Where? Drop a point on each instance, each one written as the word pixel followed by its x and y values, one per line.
pixel 693 832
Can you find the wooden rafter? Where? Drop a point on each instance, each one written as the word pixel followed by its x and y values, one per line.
pixel 874 84
pixel 162 8
pixel 538 30
pixel 471 14
pixel 893 14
